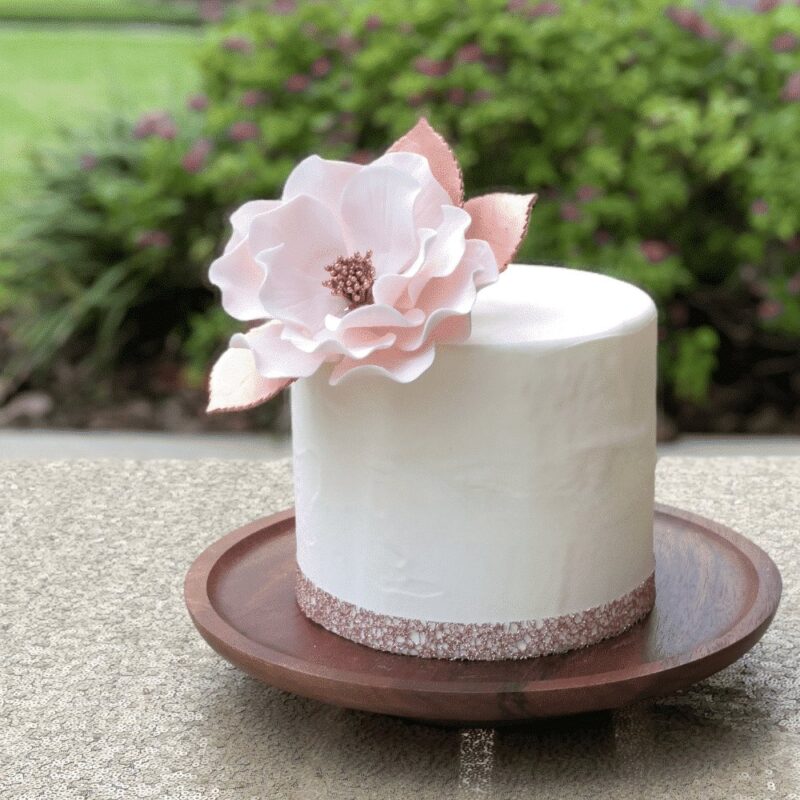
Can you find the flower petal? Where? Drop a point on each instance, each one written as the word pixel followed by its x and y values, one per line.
pixel 398 365
pixel 235 384
pixel 501 220
pixel 445 252
pixel 235 273
pixel 374 315
pixel 293 244
pixel 428 207
pixel 275 356
pixel 245 214
pixel 378 215
pixel 320 178
pixel 352 342
pixel 239 277
pixel 423 139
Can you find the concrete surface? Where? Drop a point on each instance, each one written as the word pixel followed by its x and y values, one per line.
pixel 108 691
pixel 50 445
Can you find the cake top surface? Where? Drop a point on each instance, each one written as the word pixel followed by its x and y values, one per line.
pixel 553 305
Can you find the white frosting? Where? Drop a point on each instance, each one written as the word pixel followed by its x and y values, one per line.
pixel 512 481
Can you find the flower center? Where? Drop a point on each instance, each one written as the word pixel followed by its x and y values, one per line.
pixel 352 278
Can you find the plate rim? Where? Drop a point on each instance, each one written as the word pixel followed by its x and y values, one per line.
pixel 735 641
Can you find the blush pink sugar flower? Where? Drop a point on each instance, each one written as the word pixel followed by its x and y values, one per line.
pixel 365 268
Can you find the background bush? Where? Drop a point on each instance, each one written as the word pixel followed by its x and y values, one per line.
pixel 665 146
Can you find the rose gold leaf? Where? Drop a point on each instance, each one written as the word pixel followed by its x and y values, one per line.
pixel 501 220
pixel 425 141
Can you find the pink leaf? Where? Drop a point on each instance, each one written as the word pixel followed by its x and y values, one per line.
pixel 235 384
pixel 425 141
pixel 502 221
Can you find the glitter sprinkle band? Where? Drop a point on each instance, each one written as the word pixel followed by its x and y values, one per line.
pixel 474 641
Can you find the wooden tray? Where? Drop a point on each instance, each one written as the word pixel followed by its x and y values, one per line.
pixel 716 593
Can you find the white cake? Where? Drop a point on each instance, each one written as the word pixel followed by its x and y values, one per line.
pixel 501 505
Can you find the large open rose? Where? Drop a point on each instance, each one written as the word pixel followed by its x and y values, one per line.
pixel 367 267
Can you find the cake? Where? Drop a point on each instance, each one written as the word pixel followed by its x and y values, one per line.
pixel 473 442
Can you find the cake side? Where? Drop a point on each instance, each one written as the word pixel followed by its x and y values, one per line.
pixel 513 481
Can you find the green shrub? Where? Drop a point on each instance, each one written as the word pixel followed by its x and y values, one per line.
pixel 665 146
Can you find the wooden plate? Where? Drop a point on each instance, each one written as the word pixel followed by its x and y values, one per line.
pixel 716 593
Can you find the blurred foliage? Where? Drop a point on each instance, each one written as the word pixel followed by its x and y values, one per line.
pixel 664 144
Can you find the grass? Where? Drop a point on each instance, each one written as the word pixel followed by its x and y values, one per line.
pixel 161 11
pixel 55 78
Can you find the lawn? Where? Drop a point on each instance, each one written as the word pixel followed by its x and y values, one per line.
pixel 174 11
pixel 56 77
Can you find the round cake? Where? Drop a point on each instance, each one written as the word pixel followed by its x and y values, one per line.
pixel 500 505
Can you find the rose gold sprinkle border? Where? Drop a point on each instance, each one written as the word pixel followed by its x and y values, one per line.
pixel 474 641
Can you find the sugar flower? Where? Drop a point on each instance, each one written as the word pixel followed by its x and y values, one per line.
pixel 365 267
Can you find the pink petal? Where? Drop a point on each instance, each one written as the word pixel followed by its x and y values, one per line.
pixel 445 251
pixel 502 221
pixel 294 243
pixel 378 215
pixel 236 385
pixel 454 294
pixel 374 315
pixel 245 214
pixel 398 365
pixel 351 342
pixel 389 289
pixel 235 273
pixel 423 139
pixel 453 329
pixel 428 206
pixel 320 178
pixel 274 355
pixel 239 277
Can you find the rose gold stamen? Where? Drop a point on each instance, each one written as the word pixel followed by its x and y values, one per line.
pixel 352 278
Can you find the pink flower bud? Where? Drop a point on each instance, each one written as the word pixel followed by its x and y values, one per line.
pixel 769 309
pixel 373 23
pixel 759 207
pixel 784 43
pixel 237 44
pixel 197 102
pixel 692 21
pixel 791 89
pixel 284 7
pixel 348 44
pixel 297 83
pixel 321 67
pixel 155 123
pixel 481 95
pixel 252 98
pixel 762 6
pixel 431 67
pixel 469 53
pixel 570 212
pixel 211 10
pixel 156 239
pixel 587 193
pixel 544 10
pixel 457 96
pixel 243 131
pixel 793 284
pixel 654 250
pixel 602 238
pixel 89 161
pixel 195 159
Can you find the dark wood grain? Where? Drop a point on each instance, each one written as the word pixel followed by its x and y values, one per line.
pixel 716 593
